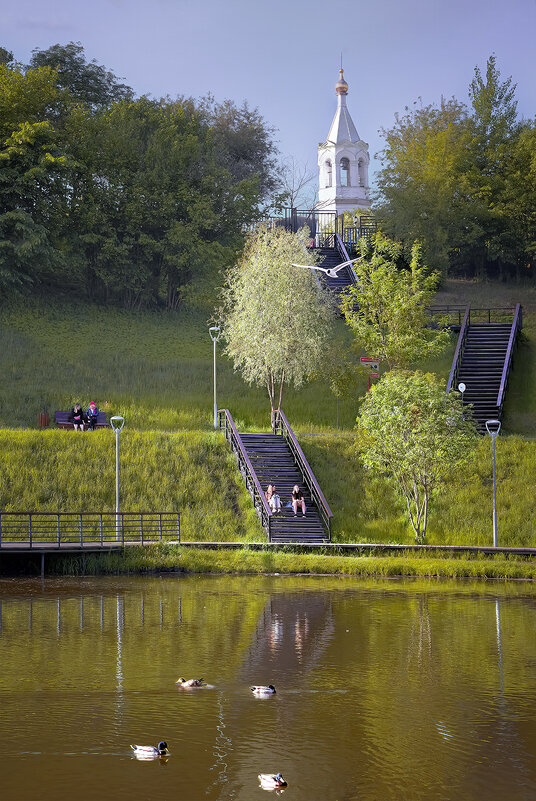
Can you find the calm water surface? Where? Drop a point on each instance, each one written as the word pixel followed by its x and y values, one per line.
pixel 385 690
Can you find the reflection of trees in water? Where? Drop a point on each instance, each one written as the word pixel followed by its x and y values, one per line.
pixel 420 637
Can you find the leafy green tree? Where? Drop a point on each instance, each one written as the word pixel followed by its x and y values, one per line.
pixel 418 185
pixel 446 178
pixel 387 308
pixel 32 185
pixel 243 142
pixel 25 97
pixel 86 81
pixel 6 56
pixel 276 318
pixel 411 431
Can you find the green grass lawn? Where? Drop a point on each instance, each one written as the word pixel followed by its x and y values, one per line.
pixel 153 368
pixel 156 370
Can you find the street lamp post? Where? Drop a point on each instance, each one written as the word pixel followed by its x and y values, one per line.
pixel 117 424
pixel 493 427
pixel 214 332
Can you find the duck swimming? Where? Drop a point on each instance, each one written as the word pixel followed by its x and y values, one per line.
pixel 271 781
pixel 263 689
pixel 149 751
pixel 191 683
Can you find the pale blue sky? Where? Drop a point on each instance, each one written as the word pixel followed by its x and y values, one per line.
pixel 282 56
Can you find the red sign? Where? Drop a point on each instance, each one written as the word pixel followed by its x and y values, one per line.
pixel 373 363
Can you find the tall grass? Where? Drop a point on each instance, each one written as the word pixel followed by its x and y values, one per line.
pixel 137 560
pixel 193 473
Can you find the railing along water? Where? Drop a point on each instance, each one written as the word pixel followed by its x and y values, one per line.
pixel 33 529
pixel 458 353
pixel 228 428
pixel 283 428
pixel 517 325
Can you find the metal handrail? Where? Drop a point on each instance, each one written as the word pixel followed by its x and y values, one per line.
pixel 228 428
pixel 57 528
pixel 517 325
pixel 283 427
pixel 458 353
pixel 345 257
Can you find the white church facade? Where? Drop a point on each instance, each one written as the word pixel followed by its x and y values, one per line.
pixel 343 162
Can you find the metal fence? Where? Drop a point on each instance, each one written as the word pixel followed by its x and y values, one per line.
pixel 88 528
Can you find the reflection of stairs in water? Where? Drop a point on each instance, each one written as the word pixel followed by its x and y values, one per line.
pixel 292 634
pixel 273 463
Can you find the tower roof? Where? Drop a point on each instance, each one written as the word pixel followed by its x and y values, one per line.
pixel 342 128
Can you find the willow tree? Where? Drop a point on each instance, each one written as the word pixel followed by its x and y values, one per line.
pixel 276 318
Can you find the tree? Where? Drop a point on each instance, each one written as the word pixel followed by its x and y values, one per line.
pixel 387 308
pixel 419 190
pixel 275 317
pixel 417 435
pixel 446 178
pixel 243 142
pixel 32 186
pixel 86 81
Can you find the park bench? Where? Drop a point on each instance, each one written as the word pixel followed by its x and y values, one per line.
pixel 62 420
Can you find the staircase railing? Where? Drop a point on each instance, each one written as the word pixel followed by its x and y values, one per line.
pixel 517 325
pixel 460 347
pixel 228 428
pixel 345 257
pixel 283 428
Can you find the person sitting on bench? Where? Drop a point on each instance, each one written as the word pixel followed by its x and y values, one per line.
pixel 77 417
pixel 92 416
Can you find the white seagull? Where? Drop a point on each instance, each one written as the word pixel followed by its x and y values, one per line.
pixel 331 272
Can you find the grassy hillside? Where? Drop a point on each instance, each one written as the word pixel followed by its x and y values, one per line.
pixel 192 472
pixel 196 474
pixel 153 368
pixel 156 370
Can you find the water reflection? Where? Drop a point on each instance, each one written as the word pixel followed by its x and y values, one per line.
pixel 385 690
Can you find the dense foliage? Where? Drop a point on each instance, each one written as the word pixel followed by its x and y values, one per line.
pixel 387 308
pixel 115 197
pixel 462 180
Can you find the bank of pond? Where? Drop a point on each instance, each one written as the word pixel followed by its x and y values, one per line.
pixel 284 560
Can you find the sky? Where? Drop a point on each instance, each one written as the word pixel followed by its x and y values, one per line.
pixel 283 56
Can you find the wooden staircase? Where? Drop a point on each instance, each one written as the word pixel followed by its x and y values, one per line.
pixel 277 458
pixel 483 360
pixel 273 463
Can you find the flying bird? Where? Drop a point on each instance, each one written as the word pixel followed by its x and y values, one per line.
pixel 331 272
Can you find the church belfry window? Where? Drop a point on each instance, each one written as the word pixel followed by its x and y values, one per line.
pixel 345 172
pixel 328 173
pixel 361 172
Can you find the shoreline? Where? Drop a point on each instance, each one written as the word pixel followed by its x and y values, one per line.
pixel 176 559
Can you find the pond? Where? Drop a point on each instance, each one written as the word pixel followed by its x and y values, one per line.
pixel 386 689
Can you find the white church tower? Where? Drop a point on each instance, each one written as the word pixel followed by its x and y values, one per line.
pixel 343 162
